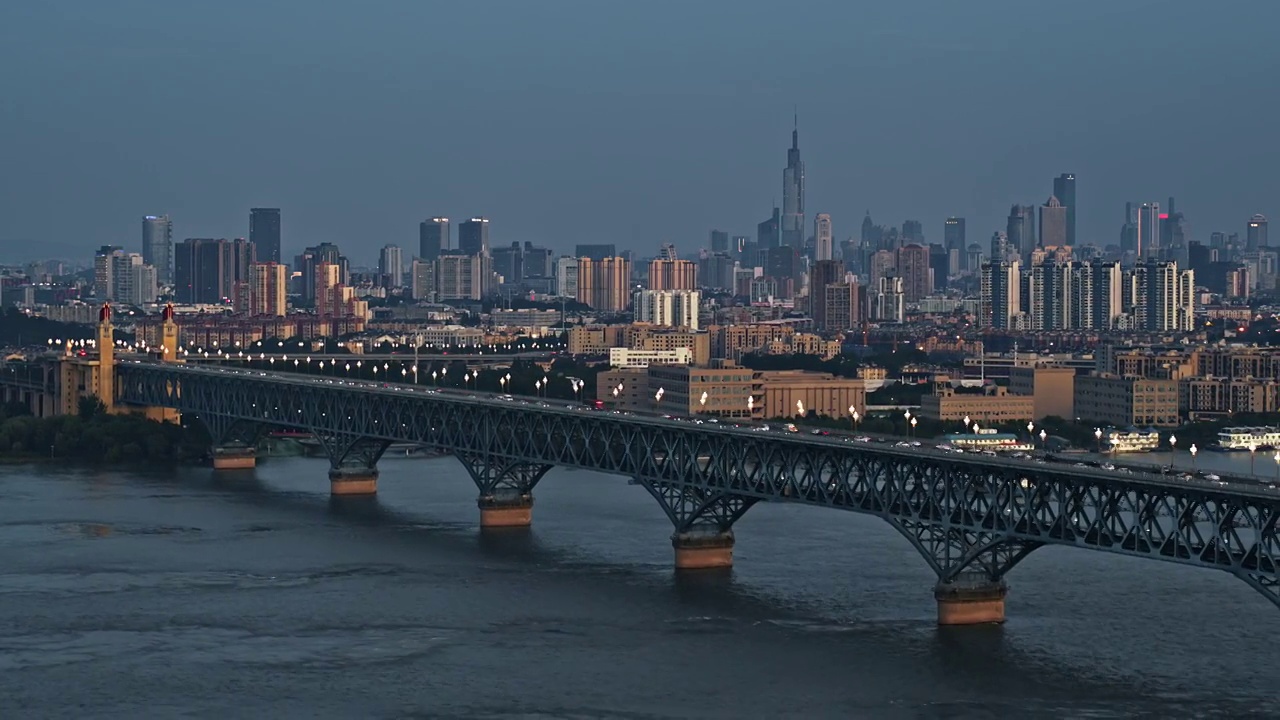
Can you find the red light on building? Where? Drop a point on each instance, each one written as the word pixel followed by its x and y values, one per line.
pixel 1164 216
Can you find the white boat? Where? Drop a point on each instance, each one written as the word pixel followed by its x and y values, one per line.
pixel 1249 438
pixel 1127 441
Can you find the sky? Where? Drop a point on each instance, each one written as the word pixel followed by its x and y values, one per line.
pixel 638 123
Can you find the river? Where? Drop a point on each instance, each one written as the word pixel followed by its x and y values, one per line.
pixel 186 594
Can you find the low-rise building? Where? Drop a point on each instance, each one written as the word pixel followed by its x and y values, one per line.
pixel 996 406
pixel 1126 401
pixel 789 393
pixel 629 358
pixel 1051 386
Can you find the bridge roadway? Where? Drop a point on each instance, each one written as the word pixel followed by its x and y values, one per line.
pixel 972 518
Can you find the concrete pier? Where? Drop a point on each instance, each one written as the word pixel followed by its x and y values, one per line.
pixel 970 604
pixel 506 512
pixel 353 481
pixel 703 550
pixel 236 457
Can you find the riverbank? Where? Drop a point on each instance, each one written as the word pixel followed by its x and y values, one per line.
pixel 99 438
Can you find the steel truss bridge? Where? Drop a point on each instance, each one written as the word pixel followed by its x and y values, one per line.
pixel 972 518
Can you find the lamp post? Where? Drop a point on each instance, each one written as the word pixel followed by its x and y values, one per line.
pixel 853 413
pixel 537 388
pixel 751 406
pixel 1044 437
pixel 1253 449
pixel 1031 431
pixel 966 423
pixel 1193 450
pixel 1276 457
pixel 657 398
pixel 502 385
pixel 702 402
pixel 1173 446
pixel 913 426
pixel 799 408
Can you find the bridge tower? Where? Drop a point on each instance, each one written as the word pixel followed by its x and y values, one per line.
pixel 106 368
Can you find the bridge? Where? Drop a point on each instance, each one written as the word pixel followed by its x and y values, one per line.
pixel 973 519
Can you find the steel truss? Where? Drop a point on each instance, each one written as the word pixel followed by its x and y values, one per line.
pixel 502 481
pixel 972 519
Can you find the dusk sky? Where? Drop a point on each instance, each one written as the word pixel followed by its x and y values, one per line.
pixel 635 123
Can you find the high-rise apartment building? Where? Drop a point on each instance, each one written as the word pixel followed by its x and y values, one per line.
pixel 433 238
pixel 842 306
pixel 1166 297
pixel 508 262
pixel 305 265
pixel 673 275
pixel 567 277
pixel 1064 188
pixel 391 265
pixel 604 284
pixel 422 280
pixel 793 195
pixel 667 308
pixel 1000 301
pixel 132 281
pixel 1053 224
pixel 953 234
pixel 264 233
pixel 913 271
pixel 822 249
pixel 473 236
pixel 912 232
pixel 1256 233
pixel 103 260
pixel 268 289
pixel 157 246
pixel 890 301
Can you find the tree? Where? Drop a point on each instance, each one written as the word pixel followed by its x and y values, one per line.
pixel 90 406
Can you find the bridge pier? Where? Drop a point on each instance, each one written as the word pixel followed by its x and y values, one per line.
pixel 970 604
pixel 353 481
pixel 703 550
pixel 505 510
pixel 234 457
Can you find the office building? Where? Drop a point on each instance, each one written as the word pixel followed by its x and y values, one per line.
pixel 953 234
pixel 1147 243
pixel 305 265
pixel 157 246
pixel 268 289
pixel 822 274
pixel 1064 188
pixel 264 233
pixel 597 252
pixel 567 277
pixel 391 266
pixel 1000 301
pixel 209 271
pixel 433 238
pixel 769 232
pixel 508 263
pixel 1020 231
pixel 422 280
pixel 473 236
pixel 719 241
pixel 1256 233
pixel 842 306
pixel 822 241
pixel 103 266
pixel 462 277
pixel 1053 224
pixel 913 270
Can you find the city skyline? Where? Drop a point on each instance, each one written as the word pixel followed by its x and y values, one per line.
pixel 205 168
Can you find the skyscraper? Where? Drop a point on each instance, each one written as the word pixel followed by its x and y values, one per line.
pixel 433 238
pixel 793 195
pixel 1064 188
pixel 208 271
pixel 473 236
pixel 1256 233
pixel 264 233
pixel 391 265
pixel 913 269
pixel 768 233
pixel 1053 223
pixel 823 274
pixel 603 284
pixel 719 241
pixel 157 246
pixel 1021 230
pixel 673 275
pixel 1148 230
pixel 822 237
pixel 1001 299
pixel 953 234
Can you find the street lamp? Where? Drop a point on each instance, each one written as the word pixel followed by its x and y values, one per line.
pixel 853 413
pixel 1193 450
pixel 537 388
pixel 657 398
pixel 1252 449
pixel 702 402
pixel 1097 435
pixel 913 426
pixel 1043 437
pixel 1173 446
pixel 1277 459
pixel 751 406
pixel 966 423
pixel 434 375
pixel 502 384
pixel 799 408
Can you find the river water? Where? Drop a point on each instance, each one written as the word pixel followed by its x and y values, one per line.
pixel 185 594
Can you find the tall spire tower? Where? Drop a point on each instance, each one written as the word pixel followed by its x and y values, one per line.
pixel 793 193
